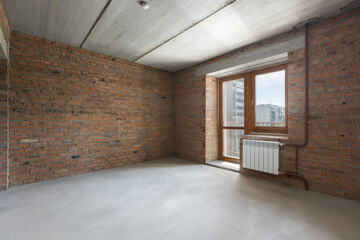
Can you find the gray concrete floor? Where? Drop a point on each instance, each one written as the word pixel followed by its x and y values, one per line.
pixel 172 199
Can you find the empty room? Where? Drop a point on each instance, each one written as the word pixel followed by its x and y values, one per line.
pixel 169 119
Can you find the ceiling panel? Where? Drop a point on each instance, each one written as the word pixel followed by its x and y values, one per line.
pixel 171 34
pixel 127 31
pixel 64 21
pixel 238 24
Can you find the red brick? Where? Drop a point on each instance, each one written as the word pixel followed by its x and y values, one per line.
pixel 74 111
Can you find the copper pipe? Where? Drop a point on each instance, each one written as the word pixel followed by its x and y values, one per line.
pixel 297 146
pixel 296 175
pixel 306 91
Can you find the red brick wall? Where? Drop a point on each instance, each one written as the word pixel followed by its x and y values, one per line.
pixel 189 108
pixel 3 104
pixel 3 124
pixel 331 161
pixel 74 111
pixel 211 119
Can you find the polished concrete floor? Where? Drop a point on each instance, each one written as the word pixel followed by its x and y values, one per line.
pixel 172 199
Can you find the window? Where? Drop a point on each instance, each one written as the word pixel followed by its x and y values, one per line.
pixel 232 119
pixel 251 102
pixel 232 104
pixel 269 100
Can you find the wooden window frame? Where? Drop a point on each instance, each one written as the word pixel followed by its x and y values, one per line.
pixel 221 126
pixel 254 128
pixel 249 107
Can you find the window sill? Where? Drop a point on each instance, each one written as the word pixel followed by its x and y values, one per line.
pixel 270 136
pixel 235 167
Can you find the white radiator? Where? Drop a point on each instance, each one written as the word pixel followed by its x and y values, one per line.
pixel 261 156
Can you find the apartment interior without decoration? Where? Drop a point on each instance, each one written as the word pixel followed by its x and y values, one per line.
pixel 210 119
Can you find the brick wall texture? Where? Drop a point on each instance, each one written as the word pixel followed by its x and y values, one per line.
pixel 74 111
pixel 3 124
pixel 211 119
pixel 331 160
pixel 3 104
pixel 189 108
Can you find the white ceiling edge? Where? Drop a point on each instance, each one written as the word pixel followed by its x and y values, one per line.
pixel 251 66
pixel 255 56
pixel 4 49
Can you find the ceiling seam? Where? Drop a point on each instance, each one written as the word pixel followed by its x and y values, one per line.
pixel 96 21
pixel 191 26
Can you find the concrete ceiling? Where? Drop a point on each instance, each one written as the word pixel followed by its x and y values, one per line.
pixel 64 21
pixel 127 31
pixel 171 34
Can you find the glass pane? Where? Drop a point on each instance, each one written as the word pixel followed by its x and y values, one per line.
pixel 231 142
pixel 233 103
pixel 270 99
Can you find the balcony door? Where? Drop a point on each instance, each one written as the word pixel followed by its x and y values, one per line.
pixel 253 102
pixel 232 117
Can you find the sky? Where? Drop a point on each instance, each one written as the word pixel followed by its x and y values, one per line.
pixel 270 88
